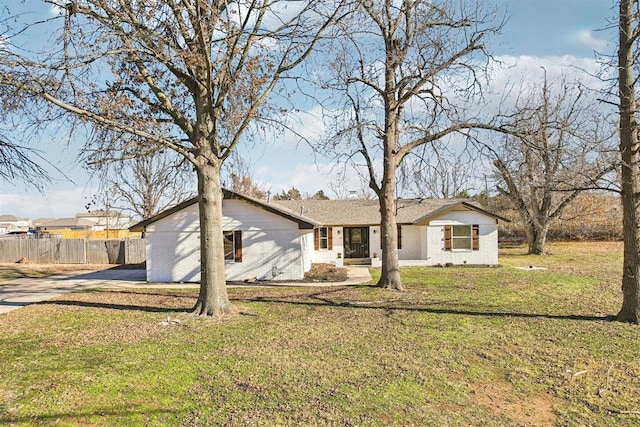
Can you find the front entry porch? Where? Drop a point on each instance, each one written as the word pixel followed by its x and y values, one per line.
pixel 356 246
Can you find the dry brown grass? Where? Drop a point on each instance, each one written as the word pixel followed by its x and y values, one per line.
pixel 462 346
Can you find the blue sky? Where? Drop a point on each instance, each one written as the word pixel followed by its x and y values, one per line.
pixel 556 27
pixel 550 33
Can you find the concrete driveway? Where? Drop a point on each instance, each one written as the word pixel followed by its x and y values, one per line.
pixel 28 290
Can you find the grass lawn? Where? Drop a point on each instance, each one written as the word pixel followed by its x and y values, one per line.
pixel 461 347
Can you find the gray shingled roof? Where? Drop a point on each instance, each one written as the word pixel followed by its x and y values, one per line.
pixel 367 212
pixel 310 213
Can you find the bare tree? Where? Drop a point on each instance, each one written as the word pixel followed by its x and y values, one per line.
pixel 437 173
pixel 407 71
pixel 629 32
pixel 238 177
pixel 561 145
pixel 148 184
pixel 192 76
pixel 16 159
pixel 16 164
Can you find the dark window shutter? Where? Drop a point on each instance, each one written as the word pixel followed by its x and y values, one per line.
pixel 399 237
pixel 447 237
pixel 316 239
pixel 329 238
pixel 237 241
pixel 475 233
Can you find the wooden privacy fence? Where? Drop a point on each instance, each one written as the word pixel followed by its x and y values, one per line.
pixel 73 251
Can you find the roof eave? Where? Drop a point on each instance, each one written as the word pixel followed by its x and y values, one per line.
pixel 157 217
pixel 455 206
pixel 303 224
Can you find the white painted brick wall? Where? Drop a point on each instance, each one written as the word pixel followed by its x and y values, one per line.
pixel 488 253
pixel 424 245
pixel 271 244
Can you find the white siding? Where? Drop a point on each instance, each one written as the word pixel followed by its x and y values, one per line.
pixel 271 245
pixel 306 243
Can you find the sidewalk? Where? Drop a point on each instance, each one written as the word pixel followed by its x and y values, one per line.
pixel 27 290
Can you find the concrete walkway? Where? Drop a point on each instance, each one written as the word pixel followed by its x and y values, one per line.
pixel 27 290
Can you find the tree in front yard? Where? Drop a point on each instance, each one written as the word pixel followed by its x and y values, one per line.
pixel 559 146
pixel 629 32
pixel 405 74
pixel 192 76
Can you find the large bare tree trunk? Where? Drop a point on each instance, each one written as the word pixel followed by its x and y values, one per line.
pixel 390 277
pixel 536 238
pixel 630 311
pixel 213 299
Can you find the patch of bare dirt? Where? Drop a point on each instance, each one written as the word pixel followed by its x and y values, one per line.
pixel 535 410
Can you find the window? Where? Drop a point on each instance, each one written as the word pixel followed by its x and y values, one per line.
pixel 462 237
pixel 233 245
pixel 323 238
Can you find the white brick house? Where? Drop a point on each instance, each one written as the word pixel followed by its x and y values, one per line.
pixel 261 241
pixel 430 231
pixel 280 240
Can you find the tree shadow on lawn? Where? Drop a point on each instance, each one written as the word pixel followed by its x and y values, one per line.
pixel 322 299
pixel 318 299
pixel 123 306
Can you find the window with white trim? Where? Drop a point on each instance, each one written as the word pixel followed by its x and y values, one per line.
pixel 462 237
pixel 322 238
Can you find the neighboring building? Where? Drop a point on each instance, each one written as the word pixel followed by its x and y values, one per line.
pixel 280 240
pixel 65 223
pixel 92 225
pixel 107 220
pixel 9 223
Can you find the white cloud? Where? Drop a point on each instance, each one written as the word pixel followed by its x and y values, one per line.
pixel 56 10
pixel 511 73
pixel 587 38
pixel 510 68
pixel 53 204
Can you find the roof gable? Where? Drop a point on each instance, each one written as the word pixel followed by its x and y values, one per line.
pixel 303 223
pixel 461 206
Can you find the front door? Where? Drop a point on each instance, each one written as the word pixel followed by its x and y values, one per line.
pixel 356 242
